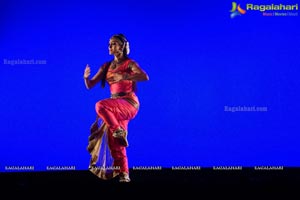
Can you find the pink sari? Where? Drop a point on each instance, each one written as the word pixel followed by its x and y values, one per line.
pixel 108 154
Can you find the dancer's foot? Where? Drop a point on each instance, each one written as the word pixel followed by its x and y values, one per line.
pixel 122 135
pixel 124 177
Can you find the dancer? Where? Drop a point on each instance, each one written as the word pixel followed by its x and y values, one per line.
pixel 114 113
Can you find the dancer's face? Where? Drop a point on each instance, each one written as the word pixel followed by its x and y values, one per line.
pixel 114 46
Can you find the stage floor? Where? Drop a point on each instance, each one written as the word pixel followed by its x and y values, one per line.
pixel 168 181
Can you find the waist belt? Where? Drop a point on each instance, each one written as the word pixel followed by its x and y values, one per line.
pixel 120 94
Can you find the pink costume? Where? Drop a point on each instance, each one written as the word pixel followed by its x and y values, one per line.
pixel 108 153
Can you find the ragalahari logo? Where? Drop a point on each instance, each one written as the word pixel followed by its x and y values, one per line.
pixel 236 10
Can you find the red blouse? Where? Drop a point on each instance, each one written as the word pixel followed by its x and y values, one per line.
pixel 126 86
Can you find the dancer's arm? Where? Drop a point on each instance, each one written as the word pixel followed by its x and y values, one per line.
pixel 89 83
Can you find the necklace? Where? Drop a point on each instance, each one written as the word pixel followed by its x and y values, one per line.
pixel 115 63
